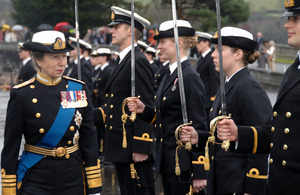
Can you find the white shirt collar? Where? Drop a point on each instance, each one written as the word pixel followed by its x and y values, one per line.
pixel 125 52
pixel 76 60
pixel 165 63
pixel 173 66
pixel 151 61
pixel 25 61
pixel 228 79
pixel 104 66
pixel 205 53
pixel 97 67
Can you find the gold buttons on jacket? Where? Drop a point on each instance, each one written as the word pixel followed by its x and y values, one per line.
pixel 155 126
pixel 111 106
pixel 106 95
pixel 34 100
pixel 271 145
pixel 160 125
pixel 32 86
pixel 105 105
pixel 283 163
pixel 42 130
pixel 105 126
pixel 286 130
pixel 67 86
pixel 285 147
pixel 271 160
pixel 38 115
pixel 211 109
pixel 272 129
pixel 110 127
pixel 155 97
pixel 164 99
pixel 161 140
pixel 274 113
pixel 112 95
pixel 212 157
pixel 220 112
pixel 70 142
pixel 288 115
pixel 111 116
pixel 72 128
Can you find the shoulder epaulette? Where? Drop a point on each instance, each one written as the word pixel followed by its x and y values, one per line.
pixel 24 83
pixel 69 78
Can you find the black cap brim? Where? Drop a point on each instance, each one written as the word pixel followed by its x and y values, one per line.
pixel 290 13
pixel 239 42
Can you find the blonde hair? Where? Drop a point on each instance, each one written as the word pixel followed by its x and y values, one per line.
pixel 189 42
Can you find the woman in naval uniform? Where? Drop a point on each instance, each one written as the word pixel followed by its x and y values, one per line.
pixel 168 114
pixel 247 104
pixel 55 117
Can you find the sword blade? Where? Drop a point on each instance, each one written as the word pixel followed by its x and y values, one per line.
pixel 222 85
pixel 179 68
pixel 132 51
pixel 77 39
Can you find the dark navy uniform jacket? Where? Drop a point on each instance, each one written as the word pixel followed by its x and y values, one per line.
pixel 139 135
pixel 210 78
pixel 169 116
pixel 100 78
pixel 160 73
pixel 281 139
pixel 247 103
pixel 27 72
pixel 31 111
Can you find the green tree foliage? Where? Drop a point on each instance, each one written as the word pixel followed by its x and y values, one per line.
pixel 202 13
pixel 91 13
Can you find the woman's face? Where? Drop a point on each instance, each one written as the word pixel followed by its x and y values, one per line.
pixel 228 58
pixel 167 49
pixel 53 64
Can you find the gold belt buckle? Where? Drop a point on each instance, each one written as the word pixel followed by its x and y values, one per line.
pixel 60 152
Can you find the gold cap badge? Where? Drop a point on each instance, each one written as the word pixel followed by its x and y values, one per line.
pixel 156 32
pixel 59 44
pixel 216 35
pixel 112 15
pixel 289 3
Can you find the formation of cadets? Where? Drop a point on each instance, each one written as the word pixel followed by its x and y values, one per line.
pixel 70 126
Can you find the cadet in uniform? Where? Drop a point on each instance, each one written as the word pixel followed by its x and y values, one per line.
pixel 86 67
pixel 281 138
pixel 150 55
pixel 128 144
pixel 27 71
pixel 143 46
pixel 55 117
pixel 160 73
pixel 102 70
pixel 167 114
pixel 206 69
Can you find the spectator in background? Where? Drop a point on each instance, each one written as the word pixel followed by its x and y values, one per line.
pixel 87 36
pixel 259 38
pixel 27 71
pixel 263 58
pixel 27 34
pixel 8 36
pixel 271 55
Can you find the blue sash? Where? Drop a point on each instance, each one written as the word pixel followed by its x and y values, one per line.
pixel 52 138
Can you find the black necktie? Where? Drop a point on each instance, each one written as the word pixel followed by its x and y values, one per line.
pixel 117 61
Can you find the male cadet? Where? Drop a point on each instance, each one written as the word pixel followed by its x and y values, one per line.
pixel 102 69
pixel 128 145
pixel 27 71
pixel 282 138
pixel 206 69
pixel 150 55
pixel 86 67
pixel 159 74
pixel 86 51
pixel 143 46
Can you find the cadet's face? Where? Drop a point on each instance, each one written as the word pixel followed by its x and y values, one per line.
pixel 53 64
pixel 228 58
pixel 167 49
pixel 293 30
pixel 119 33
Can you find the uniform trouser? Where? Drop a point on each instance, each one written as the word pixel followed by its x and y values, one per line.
pixel 129 186
pixel 54 176
pixel 177 185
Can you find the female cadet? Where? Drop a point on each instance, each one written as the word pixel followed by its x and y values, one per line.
pixel 55 117
pixel 169 115
pixel 247 103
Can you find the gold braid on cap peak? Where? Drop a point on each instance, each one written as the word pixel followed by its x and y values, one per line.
pixel 289 3
pixel 59 44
